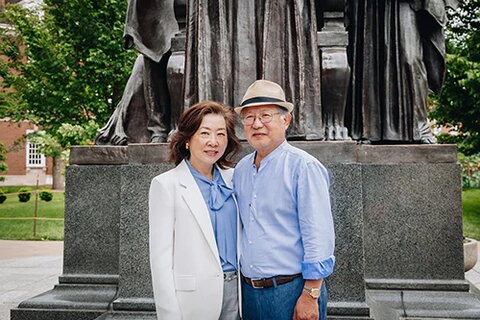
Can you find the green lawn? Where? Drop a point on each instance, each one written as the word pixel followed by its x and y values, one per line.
pixel 471 213
pixel 21 228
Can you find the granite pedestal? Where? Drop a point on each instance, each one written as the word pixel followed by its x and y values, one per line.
pixel 397 215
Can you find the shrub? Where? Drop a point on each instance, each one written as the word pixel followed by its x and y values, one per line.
pixel 46 196
pixel 470 170
pixel 24 195
pixel 3 197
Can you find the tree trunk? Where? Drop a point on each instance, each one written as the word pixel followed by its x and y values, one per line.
pixel 57 174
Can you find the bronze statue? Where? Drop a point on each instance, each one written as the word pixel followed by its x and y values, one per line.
pixel 230 44
pixel 397 54
pixel 144 110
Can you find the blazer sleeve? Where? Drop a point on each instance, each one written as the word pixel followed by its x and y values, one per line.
pixel 161 225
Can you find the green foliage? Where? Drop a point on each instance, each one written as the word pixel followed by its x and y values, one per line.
pixel 70 64
pixel 3 197
pixel 470 170
pixel 24 195
pixel 466 143
pixel 46 196
pixel 459 101
pixel 3 157
pixel 66 136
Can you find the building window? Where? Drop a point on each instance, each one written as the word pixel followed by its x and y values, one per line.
pixel 35 159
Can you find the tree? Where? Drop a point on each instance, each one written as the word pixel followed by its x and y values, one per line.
pixel 459 101
pixel 64 64
pixel 71 66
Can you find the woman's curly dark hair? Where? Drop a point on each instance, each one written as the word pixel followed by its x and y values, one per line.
pixel 190 121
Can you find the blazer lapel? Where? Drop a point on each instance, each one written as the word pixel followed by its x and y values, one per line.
pixel 192 196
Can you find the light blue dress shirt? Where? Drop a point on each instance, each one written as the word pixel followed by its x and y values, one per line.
pixel 286 216
pixel 223 215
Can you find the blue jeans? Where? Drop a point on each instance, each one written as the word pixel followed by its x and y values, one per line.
pixel 278 302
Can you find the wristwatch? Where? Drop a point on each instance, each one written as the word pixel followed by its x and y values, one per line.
pixel 313 292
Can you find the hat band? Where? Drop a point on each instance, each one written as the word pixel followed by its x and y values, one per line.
pixel 260 100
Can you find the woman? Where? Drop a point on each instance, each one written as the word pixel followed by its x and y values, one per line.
pixel 193 220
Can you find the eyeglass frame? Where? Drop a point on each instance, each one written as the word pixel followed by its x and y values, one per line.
pixel 259 116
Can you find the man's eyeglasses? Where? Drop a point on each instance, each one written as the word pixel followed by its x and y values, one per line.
pixel 264 118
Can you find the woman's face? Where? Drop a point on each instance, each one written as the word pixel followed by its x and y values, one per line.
pixel 209 142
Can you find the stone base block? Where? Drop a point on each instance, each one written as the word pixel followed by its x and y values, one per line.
pixel 66 302
pixel 417 284
pixel 348 318
pixel 48 314
pixel 125 315
pixel 415 304
pixel 348 310
pixel 134 304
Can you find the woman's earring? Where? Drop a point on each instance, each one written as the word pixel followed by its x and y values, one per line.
pixel 187 146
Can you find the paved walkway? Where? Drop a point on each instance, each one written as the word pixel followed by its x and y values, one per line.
pixel 28 268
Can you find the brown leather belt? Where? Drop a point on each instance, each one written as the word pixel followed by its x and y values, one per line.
pixel 270 282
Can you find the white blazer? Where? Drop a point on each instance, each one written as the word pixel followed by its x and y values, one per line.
pixel 187 275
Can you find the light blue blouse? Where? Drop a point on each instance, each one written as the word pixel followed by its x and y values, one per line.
pixel 223 215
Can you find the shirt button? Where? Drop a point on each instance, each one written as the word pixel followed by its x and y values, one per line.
pixel 251 219
pixel 218 275
pixel 250 242
pixel 254 196
pixel 251 266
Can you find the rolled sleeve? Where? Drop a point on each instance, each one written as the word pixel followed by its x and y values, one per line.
pixel 318 269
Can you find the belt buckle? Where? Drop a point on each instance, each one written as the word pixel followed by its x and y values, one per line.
pixel 254 286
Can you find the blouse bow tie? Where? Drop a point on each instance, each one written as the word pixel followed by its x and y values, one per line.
pixel 219 193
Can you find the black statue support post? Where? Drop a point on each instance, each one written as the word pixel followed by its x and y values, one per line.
pixel 143 114
pixel 397 54
pixel 333 41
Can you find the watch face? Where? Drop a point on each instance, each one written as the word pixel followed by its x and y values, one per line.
pixel 315 293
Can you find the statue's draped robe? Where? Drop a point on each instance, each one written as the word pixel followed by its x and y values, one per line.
pixel 150 25
pixel 142 115
pixel 397 54
pixel 230 44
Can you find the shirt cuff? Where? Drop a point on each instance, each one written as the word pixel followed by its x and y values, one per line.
pixel 318 269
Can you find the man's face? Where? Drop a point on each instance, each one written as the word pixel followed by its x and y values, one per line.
pixel 265 137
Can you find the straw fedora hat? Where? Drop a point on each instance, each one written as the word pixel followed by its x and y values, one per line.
pixel 264 92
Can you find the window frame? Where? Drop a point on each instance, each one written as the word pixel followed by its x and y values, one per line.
pixel 29 146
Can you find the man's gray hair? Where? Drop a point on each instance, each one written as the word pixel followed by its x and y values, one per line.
pixel 283 111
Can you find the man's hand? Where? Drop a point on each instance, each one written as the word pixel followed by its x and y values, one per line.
pixel 306 308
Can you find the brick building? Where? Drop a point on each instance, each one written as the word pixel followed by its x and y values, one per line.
pixel 25 163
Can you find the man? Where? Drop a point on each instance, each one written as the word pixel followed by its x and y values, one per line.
pixel 287 237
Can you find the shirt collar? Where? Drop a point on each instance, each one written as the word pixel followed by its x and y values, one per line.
pixel 271 155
